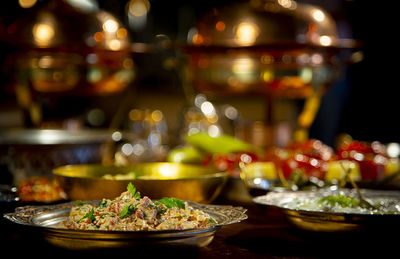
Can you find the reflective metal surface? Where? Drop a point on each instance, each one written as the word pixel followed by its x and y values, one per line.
pixel 279 48
pixel 260 177
pixel 65 48
pixel 66 52
pixel 156 180
pixel 263 22
pixel 320 221
pixel 34 152
pixel 47 220
pixel 54 137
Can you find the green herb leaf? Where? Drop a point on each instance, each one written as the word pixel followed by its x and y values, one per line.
pixel 103 203
pixel 161 211
pixel 89 215
pixel 212 222
pixel 79 202
pixel 132 190
pixel 172 202
pixel 340 200
pixel 127 210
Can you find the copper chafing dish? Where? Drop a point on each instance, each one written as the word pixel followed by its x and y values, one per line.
pixel 279 48
pixel 286 52
pixel 65 55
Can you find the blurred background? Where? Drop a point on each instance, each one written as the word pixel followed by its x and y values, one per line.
pixel 127 71
pixel 362 101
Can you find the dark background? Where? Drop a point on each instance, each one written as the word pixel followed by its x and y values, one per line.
pixel 362 103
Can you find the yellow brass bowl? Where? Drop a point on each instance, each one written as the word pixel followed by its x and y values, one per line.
pixel 260 177
pixel 155 180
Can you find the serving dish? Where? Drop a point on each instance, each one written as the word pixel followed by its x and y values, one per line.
pixel 328 221
pixel 156 180
pixel 47 220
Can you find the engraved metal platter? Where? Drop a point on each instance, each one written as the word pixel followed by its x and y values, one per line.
pixel 319 220
pixel 48 221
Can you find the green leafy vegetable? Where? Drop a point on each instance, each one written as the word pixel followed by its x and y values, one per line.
pixel 187 154
pixel 89 215
pixel 127 211
pixel 224 144
pixel 132 190
pixel 212 222
pixel 172 202
pixel 340 200
pixel 79 202
pixel 103 203
pixel 161 211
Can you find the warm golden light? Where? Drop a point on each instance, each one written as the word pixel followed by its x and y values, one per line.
pixel 197 39
pixel 208 109
pixel 114 44
pixel 246 33
pixel 27 3
pixel 98 36
pixel 267 59
pixel 122 33
pixel 43 33
pixel 288 4
pixel 135 115
pixel 220 26
pixel 167 171
pixel 110 25
pixel 157 116
pixel 325 40
pixel 45 62
pixel 242 65
pixel 127 63
pixel 268 76
pixel 318 15
pixel 138 7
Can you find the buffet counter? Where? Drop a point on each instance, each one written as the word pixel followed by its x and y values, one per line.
pixel 265 234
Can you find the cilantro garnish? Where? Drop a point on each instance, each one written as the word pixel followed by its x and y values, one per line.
pixel 172 202
pixel 79 202
pixel 89 215
pixel 340 200
pixel 132 190
pixel 127 211
pixel 103 203
pixel 212 221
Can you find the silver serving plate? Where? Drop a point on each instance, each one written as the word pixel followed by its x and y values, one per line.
pixel 320 221
pixel 48 220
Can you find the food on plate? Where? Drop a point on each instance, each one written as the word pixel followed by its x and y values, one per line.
pixel 298 161
pixel 310 158
pixel 344 202
pixel 371 157
pixel 130 212
pixel 230 162
pixel 336 170
pixel 223 152
pixel 40 189
pixel 187 154
pixel 223 144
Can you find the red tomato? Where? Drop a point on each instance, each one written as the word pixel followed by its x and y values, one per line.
pixel 230 162
pixel 309 165
pixel 312 148
pixel 365 155
pixel 371 170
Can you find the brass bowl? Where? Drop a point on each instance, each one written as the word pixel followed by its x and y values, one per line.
pixel 260 177
pixel 155 180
